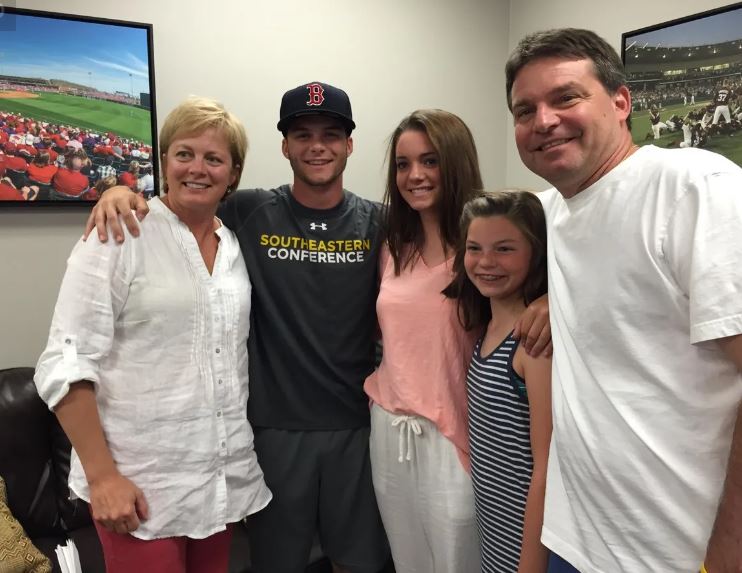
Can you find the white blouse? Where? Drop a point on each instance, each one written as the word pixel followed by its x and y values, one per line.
pixel 165 344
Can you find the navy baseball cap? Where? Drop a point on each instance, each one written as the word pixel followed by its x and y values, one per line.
pixel 315 98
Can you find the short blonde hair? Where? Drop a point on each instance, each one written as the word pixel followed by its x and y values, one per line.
pixel 194 116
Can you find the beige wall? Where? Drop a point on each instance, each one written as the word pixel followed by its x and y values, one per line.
pixel 391 56
pixel 609 19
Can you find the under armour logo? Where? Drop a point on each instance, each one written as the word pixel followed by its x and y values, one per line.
pixel 315 226
pixel 316 94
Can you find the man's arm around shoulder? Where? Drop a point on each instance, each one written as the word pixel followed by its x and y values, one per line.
pixel 119 200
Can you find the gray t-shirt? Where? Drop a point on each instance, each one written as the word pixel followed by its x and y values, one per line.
pixel 314 275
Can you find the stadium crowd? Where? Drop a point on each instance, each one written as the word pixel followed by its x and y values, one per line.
pixel 45 161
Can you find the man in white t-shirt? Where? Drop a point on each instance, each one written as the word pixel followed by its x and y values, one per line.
pixel 645 282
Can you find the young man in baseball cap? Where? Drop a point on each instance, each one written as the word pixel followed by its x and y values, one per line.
pixel 311 251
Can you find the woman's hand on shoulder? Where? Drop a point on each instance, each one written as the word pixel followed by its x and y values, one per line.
pixel 117 504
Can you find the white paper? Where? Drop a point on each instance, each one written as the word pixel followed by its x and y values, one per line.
pixel 69 560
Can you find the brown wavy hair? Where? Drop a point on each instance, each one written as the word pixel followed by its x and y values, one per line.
pixel 460 181
pixel 524 210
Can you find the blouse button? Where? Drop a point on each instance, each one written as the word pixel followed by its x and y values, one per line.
pixel 218 350
pixel 68 341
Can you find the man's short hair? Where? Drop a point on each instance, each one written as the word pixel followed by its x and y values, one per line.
pixel 570 44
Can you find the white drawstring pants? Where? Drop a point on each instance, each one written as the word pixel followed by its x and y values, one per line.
pixel 424 494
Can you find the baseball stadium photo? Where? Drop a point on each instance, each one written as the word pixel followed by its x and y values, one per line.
pixel 686 83
pixel 76 117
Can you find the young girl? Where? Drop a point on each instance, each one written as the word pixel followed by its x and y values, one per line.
pixel 500 268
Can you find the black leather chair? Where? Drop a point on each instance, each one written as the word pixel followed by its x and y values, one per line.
pixel 35 461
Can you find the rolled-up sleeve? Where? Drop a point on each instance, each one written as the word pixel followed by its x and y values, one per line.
pixel 93 292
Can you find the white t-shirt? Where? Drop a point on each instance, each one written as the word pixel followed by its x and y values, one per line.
pixel 645 271
pixel 166 344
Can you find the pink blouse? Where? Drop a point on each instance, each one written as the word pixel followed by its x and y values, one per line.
pixel 426 350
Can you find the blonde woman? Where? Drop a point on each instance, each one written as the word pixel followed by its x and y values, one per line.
pixel 146 365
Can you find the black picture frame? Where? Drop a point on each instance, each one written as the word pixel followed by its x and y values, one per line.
pixel 75 90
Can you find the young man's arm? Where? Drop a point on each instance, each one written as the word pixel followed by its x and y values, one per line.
pixel 119 200
pixel 724 550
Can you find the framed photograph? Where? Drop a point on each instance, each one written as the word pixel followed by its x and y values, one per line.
pixel 685 78
pixel 77 108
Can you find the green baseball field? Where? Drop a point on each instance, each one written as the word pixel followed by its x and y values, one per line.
pixel 97 115
pixel 729 146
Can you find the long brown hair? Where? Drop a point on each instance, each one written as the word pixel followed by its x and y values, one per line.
pixel 525 211
pixel 460 181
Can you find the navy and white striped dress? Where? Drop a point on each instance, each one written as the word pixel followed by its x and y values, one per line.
pixel 501 460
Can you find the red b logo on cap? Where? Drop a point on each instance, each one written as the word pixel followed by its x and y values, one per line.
pixel 316 94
